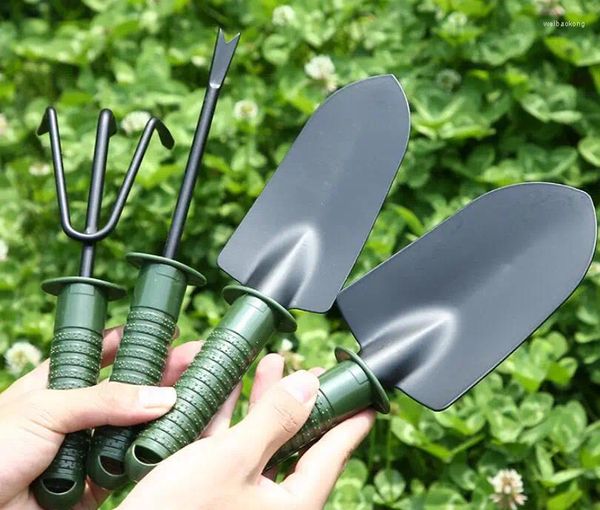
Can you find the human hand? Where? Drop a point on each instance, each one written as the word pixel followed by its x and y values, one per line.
pixel 224 469
pixel 34 420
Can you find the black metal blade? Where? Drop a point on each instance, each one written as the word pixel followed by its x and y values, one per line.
pixel 443 312
pixel 301 237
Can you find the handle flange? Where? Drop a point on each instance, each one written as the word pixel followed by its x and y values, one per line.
pixel 75 356
pixel 344 390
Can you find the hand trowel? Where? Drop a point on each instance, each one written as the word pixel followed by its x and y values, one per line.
pixel 443 312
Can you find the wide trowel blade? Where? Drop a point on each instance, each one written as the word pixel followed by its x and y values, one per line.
pixel 443 312
pixel 299 241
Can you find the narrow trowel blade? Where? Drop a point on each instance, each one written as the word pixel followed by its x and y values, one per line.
pixel 443 312
pixel 300 239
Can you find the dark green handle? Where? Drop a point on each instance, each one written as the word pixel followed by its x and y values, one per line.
pixel 203 388
pixel 75 356
pixel 142 353
pixel 345 389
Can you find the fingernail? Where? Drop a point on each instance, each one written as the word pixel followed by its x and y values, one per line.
pixel 301 385
pixel 157 396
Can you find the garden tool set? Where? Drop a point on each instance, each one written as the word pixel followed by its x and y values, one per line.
pixel 82 300
pixel 158 295
pixel 431 321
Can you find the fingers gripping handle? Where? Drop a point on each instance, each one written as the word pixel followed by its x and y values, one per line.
pixel 142 353
pixel 75 357
pixel 344 390
pixel 321 419
pixel 203 388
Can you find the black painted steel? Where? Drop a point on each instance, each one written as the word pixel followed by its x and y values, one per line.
pixel 299 241
pixel 222 56
pixel 443 312
pixel 92 232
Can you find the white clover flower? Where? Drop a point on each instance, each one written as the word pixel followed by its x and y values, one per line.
pixel 286 345
pixel 198 60
pixel 448 79
pixel 283 15
pixel 150 21
pixel 455 22
pixel 508 489
pixel 135 121
pixel 3 124
pixel 3 250
pixel 320 68
pixel 21 355
pixel 459 18
pixel 38 169
pixel 550 8
pixel 245 109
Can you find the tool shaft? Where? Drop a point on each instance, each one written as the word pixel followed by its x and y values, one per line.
pixel 222 56
pixel 344 390
pixel 191 173
pixel 215 371
pixel 94 205
pixel 141 359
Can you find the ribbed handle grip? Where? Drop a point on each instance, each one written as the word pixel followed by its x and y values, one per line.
pixel 322 418
pixel 144 346
pixel 141 356
pixel 140 360
pixel 344 390
pixel 75 356
pixel 203 388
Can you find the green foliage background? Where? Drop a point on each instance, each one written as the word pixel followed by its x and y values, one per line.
pixel 497 98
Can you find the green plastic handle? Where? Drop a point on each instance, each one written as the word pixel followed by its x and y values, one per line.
pixel 344 390
pixel 213 374
pixel 142 353
pixel 75 357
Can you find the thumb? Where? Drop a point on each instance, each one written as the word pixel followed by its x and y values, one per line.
pixel 108 403
pixel 276 417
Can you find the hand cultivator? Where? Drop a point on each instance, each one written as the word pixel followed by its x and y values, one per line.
pixel 82 300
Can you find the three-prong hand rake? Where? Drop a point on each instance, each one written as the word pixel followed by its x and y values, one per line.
pixel 76 348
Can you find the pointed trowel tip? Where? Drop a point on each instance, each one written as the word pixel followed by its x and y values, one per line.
pixel 222 56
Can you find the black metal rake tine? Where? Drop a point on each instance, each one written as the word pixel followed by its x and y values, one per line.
pixel 49 125
pixel 166 139
pixel 106 128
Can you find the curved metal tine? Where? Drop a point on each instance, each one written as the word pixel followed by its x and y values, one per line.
pixel 106 128
pixel 49 125
pixel 167 141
